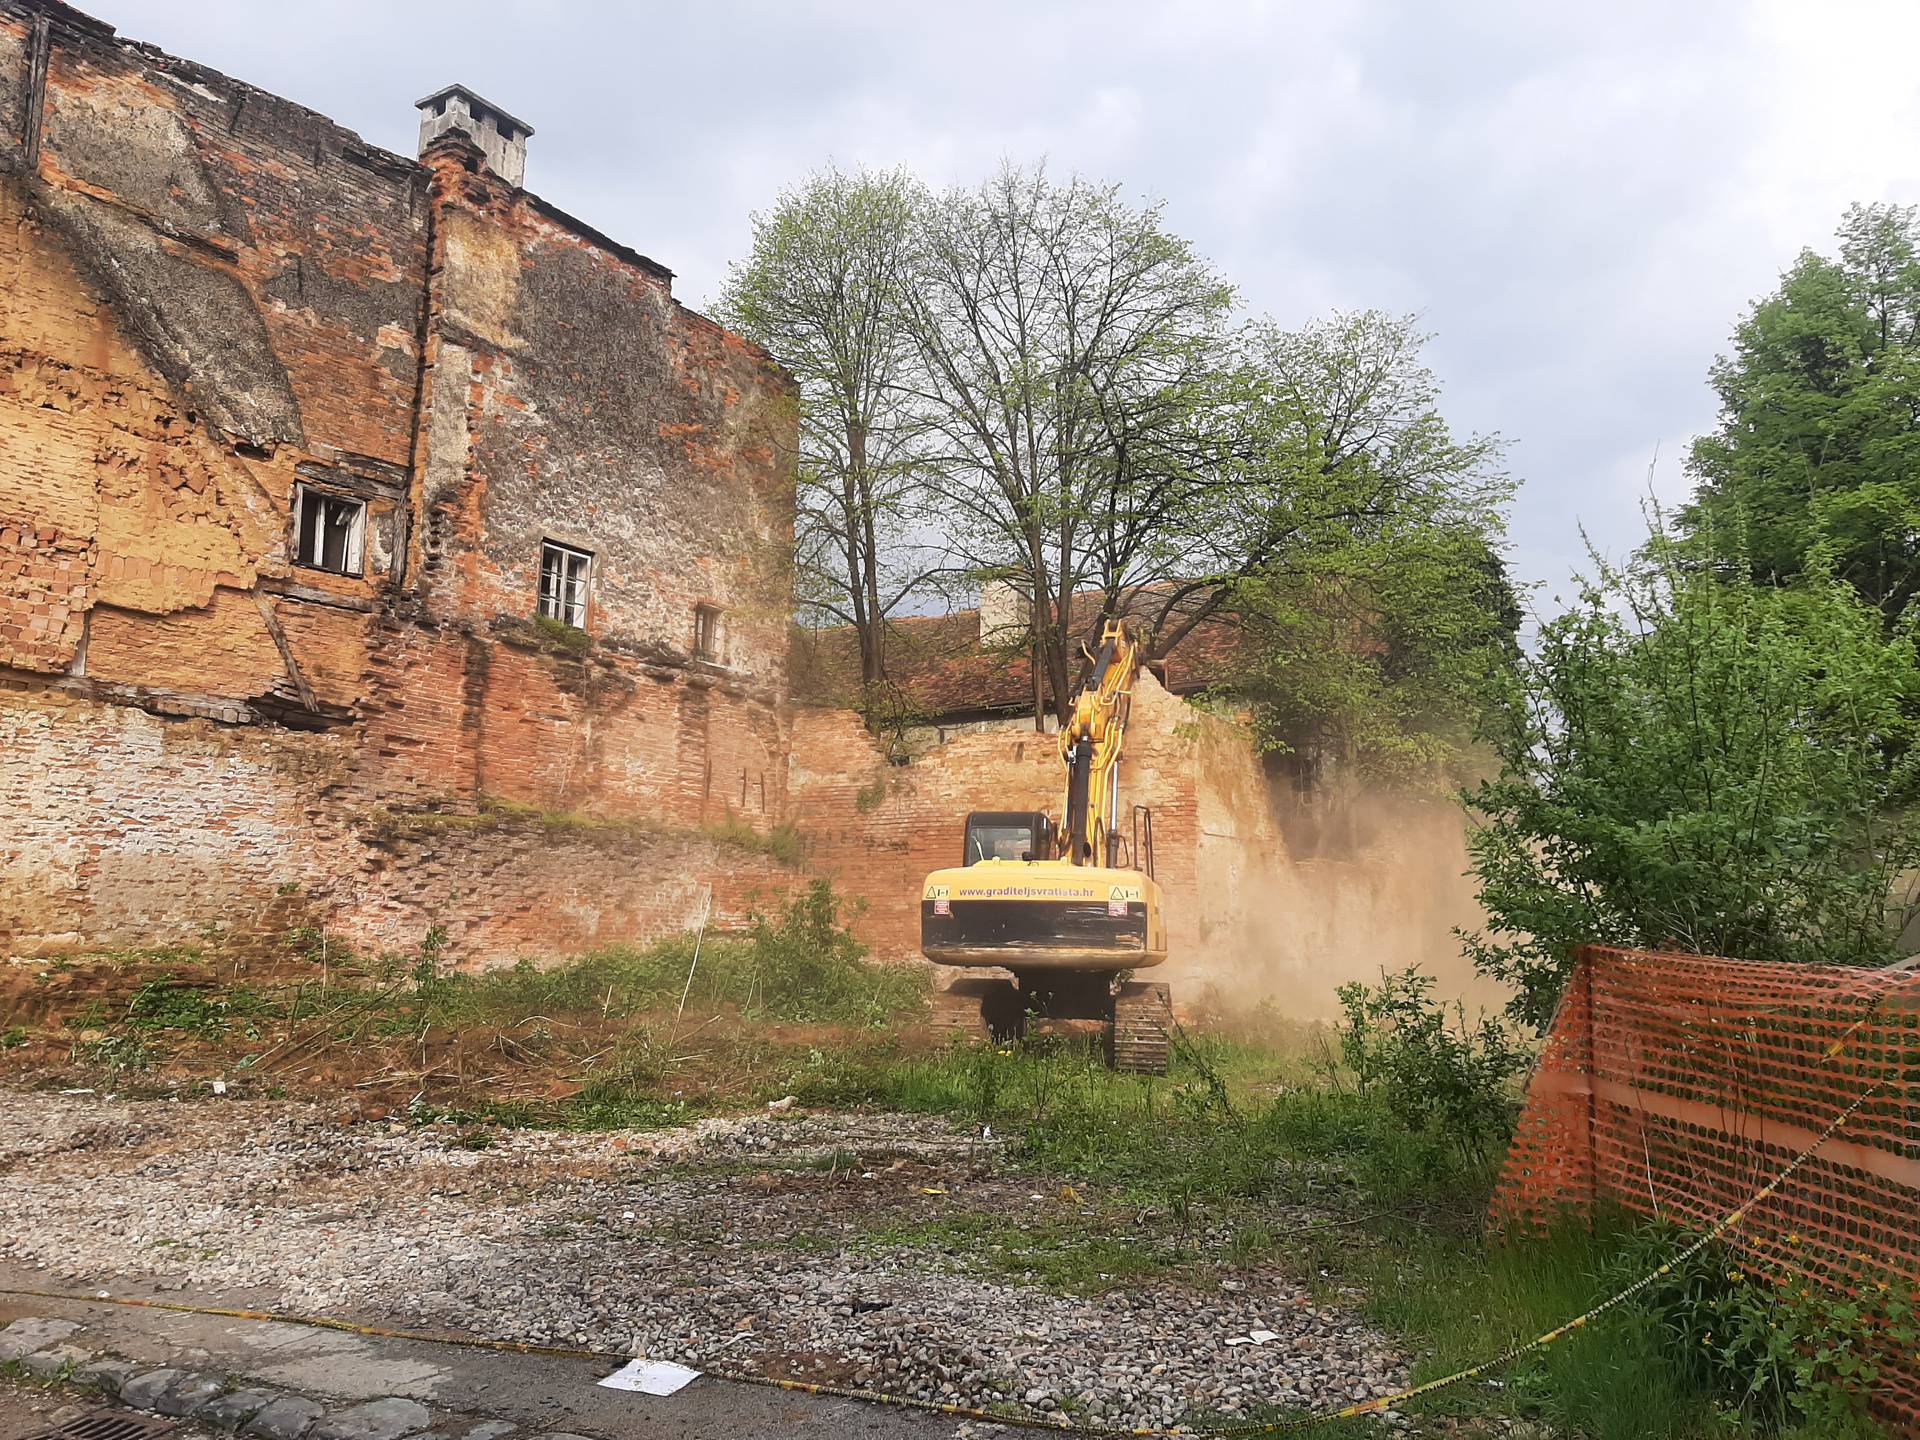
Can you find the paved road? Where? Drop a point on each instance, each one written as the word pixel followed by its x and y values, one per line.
pixel 537 1393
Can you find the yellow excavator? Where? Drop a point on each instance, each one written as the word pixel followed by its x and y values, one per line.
pixel 1072 911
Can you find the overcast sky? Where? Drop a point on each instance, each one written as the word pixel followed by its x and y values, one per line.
pixel 1579 201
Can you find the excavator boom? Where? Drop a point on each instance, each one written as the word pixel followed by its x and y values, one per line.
pixel 1091 742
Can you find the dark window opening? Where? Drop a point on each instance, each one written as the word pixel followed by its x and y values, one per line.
pixel 331 531
pixel 706 632
pixel 563 584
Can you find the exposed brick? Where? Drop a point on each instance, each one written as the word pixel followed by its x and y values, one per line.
pixel 214 296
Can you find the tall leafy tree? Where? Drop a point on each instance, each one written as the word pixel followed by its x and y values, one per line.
pixel 825 289
pixel 1817 454
pixel 1333 446
pixel 1702 763
pixel 1387 656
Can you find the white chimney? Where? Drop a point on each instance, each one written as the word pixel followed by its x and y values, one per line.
pixel 501 138
pixel 1006 612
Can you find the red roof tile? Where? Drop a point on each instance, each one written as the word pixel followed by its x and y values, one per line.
pixel 945 673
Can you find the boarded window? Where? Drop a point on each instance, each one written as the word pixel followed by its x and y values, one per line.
pixel 330 530
pixel 563 584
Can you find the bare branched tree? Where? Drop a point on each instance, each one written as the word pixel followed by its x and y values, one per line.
pixel 825 290
pixel 1062 338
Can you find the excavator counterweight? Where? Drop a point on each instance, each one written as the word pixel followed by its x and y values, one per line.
pixel 1070 910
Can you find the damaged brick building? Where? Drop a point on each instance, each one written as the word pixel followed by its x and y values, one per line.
pixel 364 520
pixel 382 548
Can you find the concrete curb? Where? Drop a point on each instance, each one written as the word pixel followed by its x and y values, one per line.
pixel 36 1348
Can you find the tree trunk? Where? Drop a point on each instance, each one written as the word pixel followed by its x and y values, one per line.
pixel 863 580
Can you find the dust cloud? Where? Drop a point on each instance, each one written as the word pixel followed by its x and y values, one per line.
pixel 1302 892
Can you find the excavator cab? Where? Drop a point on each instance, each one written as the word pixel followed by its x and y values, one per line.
pixel 1008 835
pixel 1068 911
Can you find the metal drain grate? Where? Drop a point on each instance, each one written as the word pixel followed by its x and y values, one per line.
pixel 109 1425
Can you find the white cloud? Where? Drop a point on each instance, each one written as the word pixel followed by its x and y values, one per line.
pixel 1579 200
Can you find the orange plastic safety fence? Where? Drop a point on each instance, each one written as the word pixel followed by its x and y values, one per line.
pixel 1678 1085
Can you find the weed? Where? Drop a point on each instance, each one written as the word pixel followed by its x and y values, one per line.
pixel 561 637
pixel 172 1004
pixel 1771 1354
pixel 1069 1256
pixel 801 966
pixel 13 1037
pixel 783 841
pixel 117 1054
pixel 1437 1073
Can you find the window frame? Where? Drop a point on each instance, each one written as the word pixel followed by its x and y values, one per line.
pixel 706 632
pixel 563 602
pixel 354 563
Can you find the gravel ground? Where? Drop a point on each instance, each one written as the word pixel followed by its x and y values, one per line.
pixel 731 1244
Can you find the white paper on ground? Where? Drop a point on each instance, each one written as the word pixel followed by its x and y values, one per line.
pixel 651 1377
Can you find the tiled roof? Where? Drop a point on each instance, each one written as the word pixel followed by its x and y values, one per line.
pixel 945 672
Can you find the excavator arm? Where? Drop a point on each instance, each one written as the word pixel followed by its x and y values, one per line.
pixel 1091 742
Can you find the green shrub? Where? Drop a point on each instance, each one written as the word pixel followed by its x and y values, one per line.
pixel 173 1004
pixel 1693 761
pixel 1437 1073
pixel 1773 1355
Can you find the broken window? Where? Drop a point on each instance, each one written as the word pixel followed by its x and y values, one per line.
pixel 706 632
pixel 563 584
pixel 330 530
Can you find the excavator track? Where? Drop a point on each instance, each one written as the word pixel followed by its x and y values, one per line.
pixel 972 1009
pixel 1142 1020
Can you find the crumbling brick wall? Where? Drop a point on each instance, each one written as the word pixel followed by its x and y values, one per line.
pixel 213 298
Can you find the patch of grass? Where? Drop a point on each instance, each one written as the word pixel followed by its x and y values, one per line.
pixel 13 1037
pixel 800 966
pixel 501 1114
pixel 1228 1123
pixel 783 841
pixel 1067 1256
pixel 1467 1300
